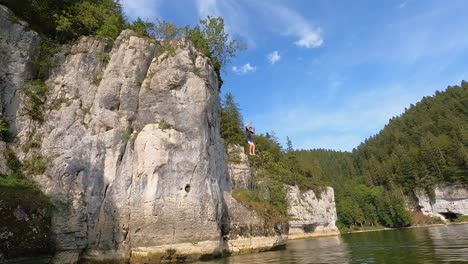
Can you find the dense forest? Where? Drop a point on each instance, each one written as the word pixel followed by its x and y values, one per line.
pixel 425 146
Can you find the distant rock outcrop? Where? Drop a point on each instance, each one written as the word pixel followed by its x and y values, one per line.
pixel 310 215
pixel 449 202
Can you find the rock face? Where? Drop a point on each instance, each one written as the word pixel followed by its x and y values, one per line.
pixel 134 158
pixel 311 216
pixel 17 50
pixel 450 201
pixel 239 169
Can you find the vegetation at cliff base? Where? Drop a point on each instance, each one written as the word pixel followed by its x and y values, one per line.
pixel 274 166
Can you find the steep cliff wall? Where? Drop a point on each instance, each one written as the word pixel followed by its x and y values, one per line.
pixel 449 201
pixel 132 151
pixel 239 169
pixel 310 215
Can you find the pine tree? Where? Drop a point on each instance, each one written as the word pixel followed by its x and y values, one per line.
pixel 231 121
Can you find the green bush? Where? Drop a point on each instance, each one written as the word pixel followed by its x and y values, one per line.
pixel 197 71
pixel 35 96
pixel 96 80
pixel 4 132
pixel 103 56
pixel 163 125
pixel 36 164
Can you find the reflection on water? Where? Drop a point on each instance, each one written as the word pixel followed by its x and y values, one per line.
pixel 439 244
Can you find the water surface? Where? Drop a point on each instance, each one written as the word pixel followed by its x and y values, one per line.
pixel 426 245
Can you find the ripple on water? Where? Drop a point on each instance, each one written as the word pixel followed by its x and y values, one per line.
pixel 428 245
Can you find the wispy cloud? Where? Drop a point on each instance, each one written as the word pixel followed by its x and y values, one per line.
pixel 341 127
pixel 296 25
pixel 274 57
pixel 237 14
pixel 402 5
pixel 246 68
pixel 145 9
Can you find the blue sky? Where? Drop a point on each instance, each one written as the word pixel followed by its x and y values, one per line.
pixel 327 73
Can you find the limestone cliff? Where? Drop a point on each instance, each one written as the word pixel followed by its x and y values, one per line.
pixel 310 215
pixel 134 159
pixel 239 169
pixel 450 201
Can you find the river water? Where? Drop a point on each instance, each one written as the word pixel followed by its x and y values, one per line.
pixel 425 245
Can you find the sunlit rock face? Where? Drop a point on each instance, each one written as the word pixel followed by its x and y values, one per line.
pixel 135 161
pixel 310 215
pixel 239 168
pixel 449 202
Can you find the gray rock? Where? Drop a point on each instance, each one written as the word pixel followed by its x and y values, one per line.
pixel 17 49
pixel 310 215
pixel 239 169
pixel 448 200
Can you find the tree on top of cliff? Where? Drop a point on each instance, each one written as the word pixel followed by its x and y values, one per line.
pixel 208 37
pixel 231 121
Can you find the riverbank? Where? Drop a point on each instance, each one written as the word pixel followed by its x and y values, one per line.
pixel 415 226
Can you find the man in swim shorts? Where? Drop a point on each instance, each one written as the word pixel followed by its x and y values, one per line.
pixel 248 138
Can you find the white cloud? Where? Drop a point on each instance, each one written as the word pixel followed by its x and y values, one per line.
pixel 274 57
pixel 145 9
pixel 310 40
pixel 294 24
pixel 244 69
pixel 237 20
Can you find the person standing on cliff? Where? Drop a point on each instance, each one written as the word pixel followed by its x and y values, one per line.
pixel 248 137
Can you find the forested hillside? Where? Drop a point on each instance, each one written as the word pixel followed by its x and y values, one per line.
pixel 425 146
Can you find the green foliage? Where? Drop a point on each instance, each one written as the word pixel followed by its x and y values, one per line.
pixel 30 145
pixel 110 28
pixel 167 31
pixel 44 58
pixel 67 20
pixel 460 219
pixel 231 121
pixel 4 131
pixel 126 137
pixel 96 80
pixel 36 164
pixel 12 161
pixel 425 146
pixel 142 28
pixel 35 96
pixel 359 205
pixel 210 39
pixel 197 71
pixel 273 210
pixel 103 56
pixel 163 125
